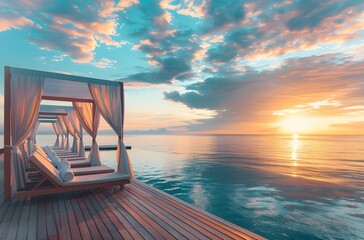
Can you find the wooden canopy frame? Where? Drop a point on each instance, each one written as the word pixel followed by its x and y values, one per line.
pixel 49 76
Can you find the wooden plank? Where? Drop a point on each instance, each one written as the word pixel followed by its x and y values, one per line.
pixel 209 219
pixel 191 216
pixel 137 226
pixel 4 207
pixel 94 215
pixel 52 232
pixel 32 221
pixel 133 232
pixel 4 226
pixel 14 223
pixel 84 231
pixel 24 220
pixel 65 232
pixel 52 190
pixel 88 218
pixel 72 222
pixel 163 221
pixel 108 224
pixel 176 223
pixel 66 99
pixel 118 225
pixel 151 226
pixel 191 222
pixel 64 77
pixel 56 214
pixel 41 220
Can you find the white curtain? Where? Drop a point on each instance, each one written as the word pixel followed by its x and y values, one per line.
pixel 72 116
pixel 26 95
pixel 63 142
pixel 60 130
pixel 109 100
pixel 71 130
pixel 31 138
pixel 89 117
pixel 65 145
pixel 55 127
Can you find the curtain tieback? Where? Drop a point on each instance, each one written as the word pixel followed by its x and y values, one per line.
pixel 9 146
pixel 119 137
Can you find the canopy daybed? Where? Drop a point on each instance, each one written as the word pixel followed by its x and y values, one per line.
pixel 83 170
pixel 91 98
pixel 81 182
pixel 66 123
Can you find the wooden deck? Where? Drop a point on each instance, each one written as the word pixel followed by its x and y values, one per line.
pixel 137 212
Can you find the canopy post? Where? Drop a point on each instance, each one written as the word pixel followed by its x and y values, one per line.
pixel 123 108
pixel 93 115
pixel 7 137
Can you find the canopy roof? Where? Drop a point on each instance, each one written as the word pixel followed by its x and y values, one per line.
pixel 64 87
pixel 24 91
pixel 49 110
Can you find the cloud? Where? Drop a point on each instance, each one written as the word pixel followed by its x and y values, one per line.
pixel 192 8
pixel 73 28
pixel 221 14
pixel 104 63
pixel 321 85
pixel 236 31
pixel 169 51
pixel 311 13
pixel 170 69
pixel 12 20
pixel 273 30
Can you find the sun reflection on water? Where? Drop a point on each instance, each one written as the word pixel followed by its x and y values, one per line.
pixel 295 146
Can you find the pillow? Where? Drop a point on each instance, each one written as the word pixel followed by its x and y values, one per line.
pixel 66 174
pixel 55 160
pixel 63 163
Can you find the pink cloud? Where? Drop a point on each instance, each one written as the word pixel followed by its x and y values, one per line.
pixel 75 30
pixel 11 21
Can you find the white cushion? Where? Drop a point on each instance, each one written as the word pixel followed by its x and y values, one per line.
pixel 45 166
pixel 62 163
pixel 96 178
pixel 55 160
pixel 66 174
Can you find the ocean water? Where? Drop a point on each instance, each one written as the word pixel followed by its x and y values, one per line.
pixel 281 187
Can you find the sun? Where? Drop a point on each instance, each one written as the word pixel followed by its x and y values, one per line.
pixel 296 124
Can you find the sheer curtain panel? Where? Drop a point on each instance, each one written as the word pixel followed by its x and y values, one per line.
pixel 109 100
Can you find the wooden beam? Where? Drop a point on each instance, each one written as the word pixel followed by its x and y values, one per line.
pixel 66 99
pixel 51 113
pixel 53 190
pixel 48 117
pixel 123 108
pixel 7 135
pixel 65 77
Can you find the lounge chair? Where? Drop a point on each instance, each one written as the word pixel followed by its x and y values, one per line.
pixel 67 155
pixel 77 162
pixel 80 167
pixel 50 173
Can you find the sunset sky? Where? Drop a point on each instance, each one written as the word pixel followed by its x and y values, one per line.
pixel 204 66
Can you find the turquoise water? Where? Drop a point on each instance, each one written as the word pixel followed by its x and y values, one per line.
pixel 281 187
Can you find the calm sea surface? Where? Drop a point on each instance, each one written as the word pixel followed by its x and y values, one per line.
pixel 281 187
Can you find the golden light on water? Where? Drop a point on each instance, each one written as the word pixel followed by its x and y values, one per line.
pixel 295 146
